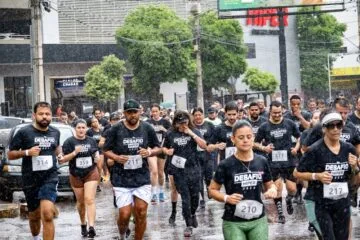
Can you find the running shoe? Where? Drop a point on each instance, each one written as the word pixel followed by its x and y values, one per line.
pixel 128 232
pixel 194 221
pixel 84 231
pixel 188 232
pixel 154 199
pixel 98 189
pixel 289 206
pixel 202 204
pixel 91 232
pixel 172 218
pixel 281 219
pixel 311 227
pixel 161 197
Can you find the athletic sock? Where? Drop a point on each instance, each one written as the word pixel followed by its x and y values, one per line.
pixel 278 203
pixel 161 189
pixel 173 204
pixel 153 190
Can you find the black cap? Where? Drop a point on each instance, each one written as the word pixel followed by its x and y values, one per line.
pixel 114 116
pixel 211 110
pixel 180 118
pixel 131 104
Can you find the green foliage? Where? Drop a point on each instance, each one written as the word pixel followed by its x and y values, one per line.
pixel 260 81
pixel 318 35
pixel 104 81
pixel 153 60
pixel 222 50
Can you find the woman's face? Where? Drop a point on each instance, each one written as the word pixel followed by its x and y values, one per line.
pixel 182 126
pixel 80 130
pixel 243 139
pixel 333 130
pixel 198 117
pixel 94 123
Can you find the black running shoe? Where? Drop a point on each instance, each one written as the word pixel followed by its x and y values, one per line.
pixel 98 189
pixel 91 232
pixel 84 231
pixel 311 228
pixel 281 219
pixel 172 218
pixel 188 232
pixel 128 232
pixel 289 206
pixel 194 221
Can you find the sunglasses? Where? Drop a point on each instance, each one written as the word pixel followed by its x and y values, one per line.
pixel 338 125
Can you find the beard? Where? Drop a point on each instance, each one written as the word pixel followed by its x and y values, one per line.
pixel 132 121
pixel 43 123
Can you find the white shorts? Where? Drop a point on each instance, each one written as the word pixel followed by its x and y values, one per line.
pixel 125 196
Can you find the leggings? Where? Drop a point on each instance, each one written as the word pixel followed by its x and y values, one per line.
pixel 334 219
pixel 187 183
pixel 250 230
pixel 207 168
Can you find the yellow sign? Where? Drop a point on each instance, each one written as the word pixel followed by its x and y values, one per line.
pixel 343 84
pixel 348 71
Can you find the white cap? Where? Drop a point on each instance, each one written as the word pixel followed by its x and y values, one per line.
pixel 331 117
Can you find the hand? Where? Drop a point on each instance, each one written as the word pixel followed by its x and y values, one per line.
pixel 234 198
pixel 34 151
pixel 122 159
pixel 324 177
pixel 297 113
pixel 269 148
pixel 162 129
pixel 221 146
pixel 143 152
pixel 188 131
pixel 271 193
pixel 169 151
pixel 294 151
pixel 78 149
pixel 352 160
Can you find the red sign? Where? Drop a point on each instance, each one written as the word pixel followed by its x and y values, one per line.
pixel 261 20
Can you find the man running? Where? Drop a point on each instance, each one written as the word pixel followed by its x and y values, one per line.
pixel 276 135
pixel 129 143
pixel 38 145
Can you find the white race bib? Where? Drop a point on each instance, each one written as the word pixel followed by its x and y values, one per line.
pixel 248 209
pixel 279 156
pixel 83 162
pixel 134 162
pixel 42 163
pixel 229 151
pixel 336 190
pixel 178 162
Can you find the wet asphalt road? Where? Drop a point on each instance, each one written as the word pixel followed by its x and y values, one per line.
pixel 68 224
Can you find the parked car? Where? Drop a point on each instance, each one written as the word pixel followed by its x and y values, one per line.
pixel 10 170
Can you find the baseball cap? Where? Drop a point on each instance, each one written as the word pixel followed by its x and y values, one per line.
pixel 131 104
pixel 180 118
pixel 114 116
pixel 211 110
pixel 331 117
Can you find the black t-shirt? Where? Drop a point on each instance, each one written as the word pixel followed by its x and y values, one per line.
pixel 306 115
pixel 256 124
pixel 123 141
pixel 264 114
pixel 236 178
pixel 318 159
pixel 349 134
pixel 280 135
pixel 222 134
pixel 104 122
pixel 83 163
pixel 184 147
pixel 207 130
pixel 355 120
pixel 37 170
pixel 156 124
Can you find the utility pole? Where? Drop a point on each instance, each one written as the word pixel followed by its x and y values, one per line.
pixel 196 10
pixel 38 87
pixel 283 63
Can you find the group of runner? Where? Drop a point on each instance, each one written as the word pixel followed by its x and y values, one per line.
pixel 250 155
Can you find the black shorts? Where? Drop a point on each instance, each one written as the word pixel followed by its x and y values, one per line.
pixel 284 173
pixel 34 194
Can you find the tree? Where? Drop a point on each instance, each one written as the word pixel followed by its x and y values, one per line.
pixel 318 35
pixel 222 50
pixel 159 48
pixel 104 81
pixel 260 81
